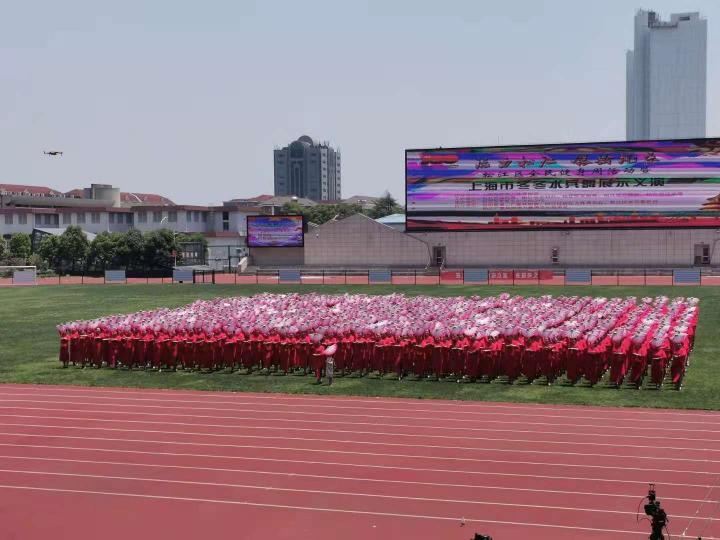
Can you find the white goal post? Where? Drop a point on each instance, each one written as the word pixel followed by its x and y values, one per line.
pixel 21 275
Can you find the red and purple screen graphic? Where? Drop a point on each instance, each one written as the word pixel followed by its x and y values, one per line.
pixel 637 184
pixel 275 231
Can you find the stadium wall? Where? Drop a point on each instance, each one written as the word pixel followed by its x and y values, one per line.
pixel 361 242
pixel 277 256
pixel 597 248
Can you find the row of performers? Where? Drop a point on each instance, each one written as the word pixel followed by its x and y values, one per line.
pixel 484 358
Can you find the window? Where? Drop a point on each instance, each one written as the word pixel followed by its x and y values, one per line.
pixel 95 217
pixel 81 217
pixel 157 217
pixel 142 217
pixel 172 216
pixel 196 216
pixel 67 219
pixel 226 226
pixel 129 219
pixel 38 220
pixel 204 217
pixel 188 216
pixel 226 216
pixel 22 219
pixel 111 218
pixel 8 219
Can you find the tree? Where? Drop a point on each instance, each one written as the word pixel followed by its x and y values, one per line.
pixel 130 249
pixel 74 247
pixel 3 249
pixel 103 250
pixel 20 246
pixel 158 247
pixel 293 208
pixel 49 250
pixel 322 213
pixel 385 206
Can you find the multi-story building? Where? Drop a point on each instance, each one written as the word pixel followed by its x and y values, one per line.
pixel 306 168
pixel 101 208
pixel 666 77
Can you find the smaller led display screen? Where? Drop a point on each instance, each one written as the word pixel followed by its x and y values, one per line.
pixel 275 231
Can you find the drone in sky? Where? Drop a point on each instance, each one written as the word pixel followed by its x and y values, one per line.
pixel 53 153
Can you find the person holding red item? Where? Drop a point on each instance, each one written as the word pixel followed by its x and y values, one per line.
pixel 472 359
pixel 532 356
pixel 597 359
pixel 680 349
pixel 638 358
pixel 620 362
pixel 659 353
pixel 64 355
pixel 457 354
pixel 576 351
pixel 318 356
pixel 514 347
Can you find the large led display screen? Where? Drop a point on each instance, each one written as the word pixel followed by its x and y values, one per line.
pixel 638 184
pixel 275 231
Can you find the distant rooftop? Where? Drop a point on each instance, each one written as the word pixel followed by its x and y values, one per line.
pixel 22 189
pixel 392 219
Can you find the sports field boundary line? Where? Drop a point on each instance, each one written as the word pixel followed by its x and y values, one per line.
pixel 335 407
pixel 428 401
pixel 346 415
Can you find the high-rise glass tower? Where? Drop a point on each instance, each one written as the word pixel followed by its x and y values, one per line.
pixel 666 77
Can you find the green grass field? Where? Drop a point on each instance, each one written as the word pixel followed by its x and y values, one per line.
pixel 28 346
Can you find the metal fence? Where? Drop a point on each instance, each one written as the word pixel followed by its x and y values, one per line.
pixel 373 276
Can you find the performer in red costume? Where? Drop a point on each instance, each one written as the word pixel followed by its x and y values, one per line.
pixel 680 349
pixel 620 362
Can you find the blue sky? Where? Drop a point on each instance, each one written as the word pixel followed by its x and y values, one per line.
pixel 188 99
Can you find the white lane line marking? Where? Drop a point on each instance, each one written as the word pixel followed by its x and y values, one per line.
pixel 332 451
pixel 338 493
pixel 266 418
pixel 453 404
pixel 285 437
pixel 310 508
pixel 360 479
pixel 335 441
pixel 364 416
pixel 387 467
pixel 335 407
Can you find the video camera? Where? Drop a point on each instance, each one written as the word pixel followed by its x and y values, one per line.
pixel 658 516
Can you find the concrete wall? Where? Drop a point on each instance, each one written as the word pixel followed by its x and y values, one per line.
pixel 269 256
pixel 361 241
pixel 646 248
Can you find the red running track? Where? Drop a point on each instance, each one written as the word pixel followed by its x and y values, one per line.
pixel 88 463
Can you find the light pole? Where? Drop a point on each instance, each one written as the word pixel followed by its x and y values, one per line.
pixel 165 220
